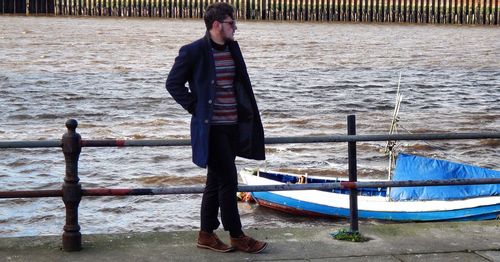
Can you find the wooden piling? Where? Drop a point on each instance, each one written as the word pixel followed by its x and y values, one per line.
pixel 482 12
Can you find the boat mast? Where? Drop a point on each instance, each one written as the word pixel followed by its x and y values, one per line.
pixel 389 148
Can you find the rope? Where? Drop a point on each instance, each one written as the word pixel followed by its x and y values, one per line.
pixel 389 148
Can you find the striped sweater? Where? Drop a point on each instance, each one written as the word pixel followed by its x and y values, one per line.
pixel 225 107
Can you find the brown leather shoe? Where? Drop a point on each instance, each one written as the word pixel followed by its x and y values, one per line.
pixel 212 242
pixel 248 244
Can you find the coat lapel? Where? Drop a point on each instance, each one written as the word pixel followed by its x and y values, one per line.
pixel 209 56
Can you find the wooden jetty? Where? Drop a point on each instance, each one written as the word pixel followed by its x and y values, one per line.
pixel 482 12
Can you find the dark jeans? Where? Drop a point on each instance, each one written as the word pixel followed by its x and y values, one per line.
pixel 222 181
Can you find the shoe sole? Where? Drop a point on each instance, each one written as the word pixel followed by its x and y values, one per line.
pixel 260 250
pixel 214 249
pixel 253 252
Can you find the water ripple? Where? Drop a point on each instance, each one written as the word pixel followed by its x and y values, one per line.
pixel 109 74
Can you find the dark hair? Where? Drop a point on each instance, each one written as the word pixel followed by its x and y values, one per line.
pixel 217 12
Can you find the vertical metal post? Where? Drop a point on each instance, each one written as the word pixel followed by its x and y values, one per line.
pixel 72 190
pixel 353 177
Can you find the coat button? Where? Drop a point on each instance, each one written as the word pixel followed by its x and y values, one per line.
pixel 206 121
pixel 210 101
pixel 213 82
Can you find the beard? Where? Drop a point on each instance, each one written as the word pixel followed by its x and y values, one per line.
pixel 226 36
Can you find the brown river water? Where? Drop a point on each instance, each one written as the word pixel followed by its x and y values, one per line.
pixel 109 73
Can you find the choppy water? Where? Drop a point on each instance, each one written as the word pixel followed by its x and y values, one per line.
pixel 109 75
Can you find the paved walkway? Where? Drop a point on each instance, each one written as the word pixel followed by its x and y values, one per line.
pixel 457 241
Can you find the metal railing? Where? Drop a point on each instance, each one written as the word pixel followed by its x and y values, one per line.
pixel 72 192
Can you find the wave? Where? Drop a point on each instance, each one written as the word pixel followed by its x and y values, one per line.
pixel 169 180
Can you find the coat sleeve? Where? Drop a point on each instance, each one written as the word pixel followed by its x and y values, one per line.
pixel 178 77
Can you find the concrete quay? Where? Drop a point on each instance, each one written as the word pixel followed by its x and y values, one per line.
pixel 444 241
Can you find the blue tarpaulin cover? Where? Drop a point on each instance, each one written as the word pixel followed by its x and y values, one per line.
pixel 410 167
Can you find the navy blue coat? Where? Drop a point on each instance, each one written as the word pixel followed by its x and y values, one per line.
pixel 195 65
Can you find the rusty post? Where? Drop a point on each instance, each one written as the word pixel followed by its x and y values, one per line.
pixel 353 176
pixel 72 190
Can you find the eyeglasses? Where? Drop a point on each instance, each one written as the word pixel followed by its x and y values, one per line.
pixel 232 23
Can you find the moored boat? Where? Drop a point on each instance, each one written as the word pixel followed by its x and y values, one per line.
pixel 442 203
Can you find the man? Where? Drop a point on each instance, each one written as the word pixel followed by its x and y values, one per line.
pixel 225 123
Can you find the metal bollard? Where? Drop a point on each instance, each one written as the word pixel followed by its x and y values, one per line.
pixel 72 190
pixel 353 176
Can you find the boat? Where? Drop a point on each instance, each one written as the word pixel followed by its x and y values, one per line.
pixel 441 203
